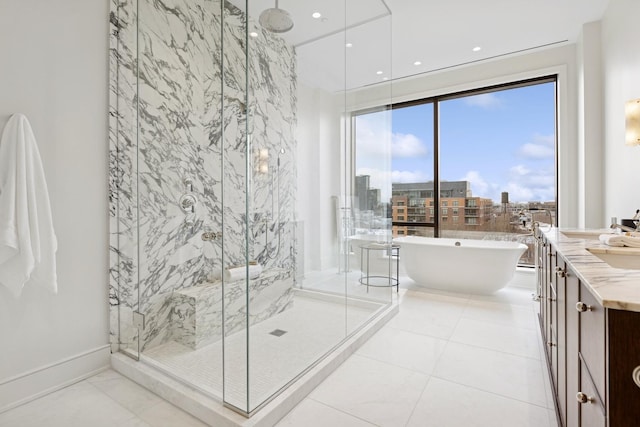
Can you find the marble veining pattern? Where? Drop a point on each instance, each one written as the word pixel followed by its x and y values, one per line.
pixel 179 110
pixel 615 288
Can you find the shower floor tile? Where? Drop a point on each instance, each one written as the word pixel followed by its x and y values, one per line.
pixel 311 328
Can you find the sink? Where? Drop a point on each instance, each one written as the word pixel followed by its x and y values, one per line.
pixel 627 258
pixel 584 234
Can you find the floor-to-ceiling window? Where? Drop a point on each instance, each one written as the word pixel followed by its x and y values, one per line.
pixel 476 164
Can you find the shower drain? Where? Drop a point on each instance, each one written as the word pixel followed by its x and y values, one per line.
pixel 278 332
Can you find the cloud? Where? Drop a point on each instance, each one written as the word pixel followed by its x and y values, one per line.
pixel 408 176
pixel 374 138
pixel 523 185
pixel 484 100
pixel 407 145
pixel 480 187
pixel 541 147
pixel 527 185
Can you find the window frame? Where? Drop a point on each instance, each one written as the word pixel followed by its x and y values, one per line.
pixel 436 100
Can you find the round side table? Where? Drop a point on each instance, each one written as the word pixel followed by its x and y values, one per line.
pixel 394 252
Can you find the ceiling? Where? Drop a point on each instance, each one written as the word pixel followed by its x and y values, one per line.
pixel 388 37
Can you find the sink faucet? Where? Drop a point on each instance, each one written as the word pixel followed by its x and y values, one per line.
pixel 624 227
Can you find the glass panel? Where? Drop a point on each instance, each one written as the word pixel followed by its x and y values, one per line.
pixel 299 82
pixel 235 210
pixel 177 166
pixel 236 114
pixel 498 148
pixel 123 294
pixel 413 163
pixel 374 261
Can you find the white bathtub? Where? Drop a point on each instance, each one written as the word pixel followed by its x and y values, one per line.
pixel 459 265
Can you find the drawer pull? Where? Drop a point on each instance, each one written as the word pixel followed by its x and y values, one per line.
pixel 550 344
pixel 560 272
pixel 582 307
pixel 583 398
pixel 636 375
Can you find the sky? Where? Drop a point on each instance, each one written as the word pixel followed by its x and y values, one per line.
pixel 499 141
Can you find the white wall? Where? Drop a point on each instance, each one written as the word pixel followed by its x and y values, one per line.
pixel 53 68
pixel 621 82
pixel 590 128
pixel 318 165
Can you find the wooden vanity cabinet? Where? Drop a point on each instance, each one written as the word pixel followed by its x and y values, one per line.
pixel 591 351
pixel 623 357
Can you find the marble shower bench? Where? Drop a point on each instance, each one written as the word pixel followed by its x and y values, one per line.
pixel 196 314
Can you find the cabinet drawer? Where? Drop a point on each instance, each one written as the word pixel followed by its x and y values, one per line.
pixel 591 408
pixel 624 357
pixel 592 339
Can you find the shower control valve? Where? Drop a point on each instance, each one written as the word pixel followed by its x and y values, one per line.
pixel 188 202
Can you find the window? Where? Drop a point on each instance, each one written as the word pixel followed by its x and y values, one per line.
pixel 401 210
pixel 455 218
pixel 400 218
pixel 489 141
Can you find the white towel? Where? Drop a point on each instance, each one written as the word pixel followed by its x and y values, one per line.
pixel 27 240
pixel 631 241
pixel 612 239
pixel 236 273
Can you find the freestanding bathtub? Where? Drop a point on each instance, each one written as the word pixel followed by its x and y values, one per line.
pixel 459 265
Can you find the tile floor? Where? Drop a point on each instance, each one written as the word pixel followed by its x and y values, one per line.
pixel 445 360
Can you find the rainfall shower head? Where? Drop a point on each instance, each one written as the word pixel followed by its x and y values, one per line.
pixel 276 20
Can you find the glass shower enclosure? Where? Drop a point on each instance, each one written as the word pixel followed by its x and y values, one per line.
pixel 236 225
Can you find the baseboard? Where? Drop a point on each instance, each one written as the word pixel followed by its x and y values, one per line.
pixel 23 388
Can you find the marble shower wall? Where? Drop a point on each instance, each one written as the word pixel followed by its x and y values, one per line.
pixel 179 112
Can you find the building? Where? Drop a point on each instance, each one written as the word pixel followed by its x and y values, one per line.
pixel 413 202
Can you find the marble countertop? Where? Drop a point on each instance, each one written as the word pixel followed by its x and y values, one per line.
pixel 617 288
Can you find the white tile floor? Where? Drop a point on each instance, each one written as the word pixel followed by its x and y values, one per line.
pixel 445 360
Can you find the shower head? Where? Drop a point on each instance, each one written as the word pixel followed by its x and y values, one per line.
pixel 276 20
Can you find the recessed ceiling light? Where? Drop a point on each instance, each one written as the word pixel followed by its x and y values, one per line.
pixel 378 72
pixel 253 34
pixel 349 45
pixel 476 49
pixel 316 15
pixel 417 63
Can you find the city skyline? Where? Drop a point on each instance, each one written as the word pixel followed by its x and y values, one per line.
pixel 499 141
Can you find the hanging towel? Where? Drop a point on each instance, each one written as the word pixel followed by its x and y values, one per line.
pixel 27 240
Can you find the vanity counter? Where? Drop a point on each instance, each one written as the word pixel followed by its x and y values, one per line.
pixel 617 288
